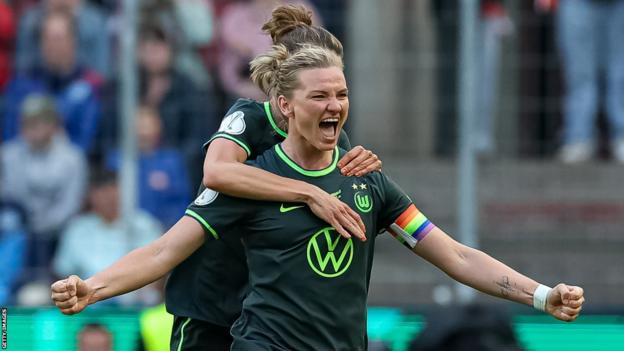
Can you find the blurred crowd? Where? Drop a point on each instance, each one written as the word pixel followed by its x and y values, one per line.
pixel 569 62
pixel 59 125
pixel 59 112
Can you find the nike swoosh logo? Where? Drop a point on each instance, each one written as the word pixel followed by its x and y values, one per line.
pixel 284 209
pixel 288 209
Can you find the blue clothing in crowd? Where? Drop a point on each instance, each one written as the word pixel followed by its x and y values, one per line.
pixel 164 188
pixel 76 96
pixel 12 249
pixel 93 37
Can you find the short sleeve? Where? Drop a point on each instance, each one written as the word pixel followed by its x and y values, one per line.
pixel 399 216
pixel 242 125
pixel 217 212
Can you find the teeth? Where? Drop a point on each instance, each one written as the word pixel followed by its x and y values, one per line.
pixel 330 120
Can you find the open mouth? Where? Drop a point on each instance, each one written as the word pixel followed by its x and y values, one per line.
pixel 329 127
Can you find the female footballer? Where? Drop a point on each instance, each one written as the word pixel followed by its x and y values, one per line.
pixel 308 284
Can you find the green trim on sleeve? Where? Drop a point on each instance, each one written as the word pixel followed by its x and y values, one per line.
pixel 306 172
pixel 199 218
pixel 267 110
pixel 229 137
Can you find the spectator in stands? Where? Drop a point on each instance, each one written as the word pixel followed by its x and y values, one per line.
pixel 92 38
pixel 164 189
pixel 62 75
pixel 591 45
pixel 242 41
pixel 95 240
pixel 13 236
pixel 334 15
pixel 445 14
pixel 186 111
pixel 191 24
pixel 494 25
pixel 95 337
pixel 46 174
pixel 20 6
pixel 7 34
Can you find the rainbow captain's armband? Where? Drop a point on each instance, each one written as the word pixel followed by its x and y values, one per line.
pixel 411 227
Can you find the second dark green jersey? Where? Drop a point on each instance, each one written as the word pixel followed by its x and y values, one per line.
pixel 211 283
pixel 308 285
pixel 252 126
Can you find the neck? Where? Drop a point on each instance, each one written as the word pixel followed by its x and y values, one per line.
pixel 278 117
pixel 148 149
pixel 108 219
pixel 157 76
pixel 306 155
pixel 64 69
pixel 42 146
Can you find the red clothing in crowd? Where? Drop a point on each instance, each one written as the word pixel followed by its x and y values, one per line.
pixel 7 36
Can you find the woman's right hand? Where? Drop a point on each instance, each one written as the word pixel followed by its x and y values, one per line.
pixel 338 214
pixel 71 295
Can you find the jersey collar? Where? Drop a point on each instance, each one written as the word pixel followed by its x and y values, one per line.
pixel 267 110
pixel 310 173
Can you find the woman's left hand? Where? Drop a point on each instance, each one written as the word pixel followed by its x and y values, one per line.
pixel 565 302
pixel 358 162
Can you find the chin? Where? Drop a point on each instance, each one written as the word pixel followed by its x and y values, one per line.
pixel 327 146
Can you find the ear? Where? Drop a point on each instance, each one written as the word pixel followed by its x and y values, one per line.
pixel 286 108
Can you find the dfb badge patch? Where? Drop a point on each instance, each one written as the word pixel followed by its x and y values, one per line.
pixel 207 196
pixel 233 123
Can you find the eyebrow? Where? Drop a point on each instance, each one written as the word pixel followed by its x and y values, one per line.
pixel 325 92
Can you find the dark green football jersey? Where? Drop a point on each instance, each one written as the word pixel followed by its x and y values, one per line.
pixel 211 283
pixel 308 285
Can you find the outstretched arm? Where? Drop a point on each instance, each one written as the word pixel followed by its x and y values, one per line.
pixel 133 271
pixel 484 273
pixel 224 171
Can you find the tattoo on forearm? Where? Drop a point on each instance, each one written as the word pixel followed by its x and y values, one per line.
pixel 505 286
pixel 508 288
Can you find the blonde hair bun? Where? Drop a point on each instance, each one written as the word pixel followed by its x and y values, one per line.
pixel 286 18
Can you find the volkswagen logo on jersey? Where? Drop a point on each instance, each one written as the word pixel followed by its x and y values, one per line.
pixel 327 246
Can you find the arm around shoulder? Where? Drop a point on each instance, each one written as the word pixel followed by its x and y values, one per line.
pixel 221 152
pixel 224 171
